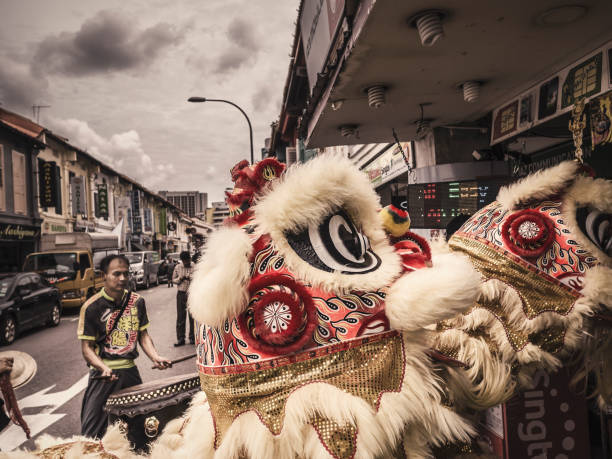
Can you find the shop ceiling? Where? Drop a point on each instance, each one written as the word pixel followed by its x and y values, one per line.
pixel 506 45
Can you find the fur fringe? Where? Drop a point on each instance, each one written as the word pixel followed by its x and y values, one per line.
pixel 490 356
pixel 309 192
pixel 416 299
pixel 219 289
pixel 416 408
pixel 594 193
pixel 114 442
pixel 538 186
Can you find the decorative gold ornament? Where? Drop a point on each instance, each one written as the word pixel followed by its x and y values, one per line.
pixel 123 427
pixel 87 448
pixel 577 125
pixel 151 426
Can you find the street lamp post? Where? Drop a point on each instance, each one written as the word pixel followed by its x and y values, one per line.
pixel 204 99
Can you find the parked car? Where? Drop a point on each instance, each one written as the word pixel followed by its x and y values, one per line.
pixel 144 266
pixel 26 300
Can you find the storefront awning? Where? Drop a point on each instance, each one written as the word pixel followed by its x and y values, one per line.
pixel 504 46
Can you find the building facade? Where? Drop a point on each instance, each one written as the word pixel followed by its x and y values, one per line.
pixel 20 222
pixel 220 211
pixel 48 185
pixel 193 203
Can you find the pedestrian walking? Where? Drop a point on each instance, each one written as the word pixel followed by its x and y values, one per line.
pixel 111 324
pixel 170 265
pixel 182 278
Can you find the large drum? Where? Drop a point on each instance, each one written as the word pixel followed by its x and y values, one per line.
pixel 145 409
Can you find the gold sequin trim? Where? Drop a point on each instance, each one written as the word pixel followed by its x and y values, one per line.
pixel 538 293
pixel 88 447
pixel 339 440
pixel 365 371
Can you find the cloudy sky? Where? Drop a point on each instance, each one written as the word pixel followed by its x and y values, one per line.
pixel 117 75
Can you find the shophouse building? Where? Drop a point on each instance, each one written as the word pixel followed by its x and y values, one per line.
pixel 20 221
pixel 66 189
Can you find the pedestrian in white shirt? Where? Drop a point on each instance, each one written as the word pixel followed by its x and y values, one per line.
pixel 182 277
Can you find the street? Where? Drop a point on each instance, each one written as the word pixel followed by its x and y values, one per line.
pixel 51 401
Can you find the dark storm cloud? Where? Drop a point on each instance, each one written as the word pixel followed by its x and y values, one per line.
pixel 243 49
pixel 242 34
pixel 262 98
pixel 106 42
pixel 19 90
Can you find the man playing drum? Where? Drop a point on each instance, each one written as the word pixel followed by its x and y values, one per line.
pixel 111 323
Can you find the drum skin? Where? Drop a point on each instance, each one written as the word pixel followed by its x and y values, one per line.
pixel 145 409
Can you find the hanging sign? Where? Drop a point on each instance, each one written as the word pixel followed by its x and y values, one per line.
pixel 47 184
pixel 163 228
pixel 601 119
pixel 136 217
pixel 505 121
pixel 549 92
pixel 584 80
pixel 79 197
pixel 102 200
pixel 387 165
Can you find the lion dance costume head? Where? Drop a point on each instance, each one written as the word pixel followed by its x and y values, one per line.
pixel 323 336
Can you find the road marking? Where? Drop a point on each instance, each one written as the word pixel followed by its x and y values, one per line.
pixel 13 436
pixel 74 319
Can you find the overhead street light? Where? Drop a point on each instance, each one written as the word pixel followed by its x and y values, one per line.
pixel 204 99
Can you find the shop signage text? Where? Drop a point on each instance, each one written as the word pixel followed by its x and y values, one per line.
pixel 18 232
pixel 387 166
pixel 102 200
pixel 79 197
pixel 48 185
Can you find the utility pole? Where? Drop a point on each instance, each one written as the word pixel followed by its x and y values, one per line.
pixel 36 111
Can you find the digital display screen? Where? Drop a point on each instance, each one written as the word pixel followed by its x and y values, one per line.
pixel 434 205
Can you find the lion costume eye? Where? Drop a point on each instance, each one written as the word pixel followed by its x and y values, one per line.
pixel 335 244
pixel 597 226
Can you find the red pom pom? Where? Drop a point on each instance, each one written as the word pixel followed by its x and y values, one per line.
pixel 281 316
pixel 528 233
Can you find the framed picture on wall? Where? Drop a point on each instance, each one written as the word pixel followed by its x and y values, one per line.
pixel 525 113
pixel 549 94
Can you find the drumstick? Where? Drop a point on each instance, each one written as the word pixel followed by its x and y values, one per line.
pixel 101 377
pixel 181 359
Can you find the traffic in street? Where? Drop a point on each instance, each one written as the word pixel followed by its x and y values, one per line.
pixel 51 401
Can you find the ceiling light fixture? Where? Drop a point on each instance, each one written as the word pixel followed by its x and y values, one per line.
pixel 429 25
pixel 348 130
pixel 561 15
pixel 376 95
pixel 471 91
